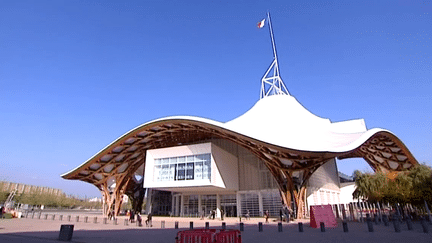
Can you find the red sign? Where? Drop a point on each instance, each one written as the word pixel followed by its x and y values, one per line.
pixel 322 213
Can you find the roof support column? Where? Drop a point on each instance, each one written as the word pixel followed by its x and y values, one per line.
pixel 260 204
pixel 290 192
pixel 181 205
pixel 299 196
pixel 218 206
pixel 118 200
pixel 107 198
pixel 238 201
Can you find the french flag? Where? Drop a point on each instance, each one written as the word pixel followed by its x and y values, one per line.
pixel 261 24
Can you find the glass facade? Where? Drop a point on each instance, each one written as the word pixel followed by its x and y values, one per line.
pixel 193 167
pixel 208 203
pixel 190 206
pixel 269 200
pixel 272 202
pixel 250 204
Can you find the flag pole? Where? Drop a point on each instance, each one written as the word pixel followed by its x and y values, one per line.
pixel 272 38
pixel 272 84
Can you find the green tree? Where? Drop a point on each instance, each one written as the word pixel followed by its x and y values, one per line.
pixel 414 186
pixel 371 187
pixel 3 196
pixel 421 177
pixel 53 200
pixel 363 183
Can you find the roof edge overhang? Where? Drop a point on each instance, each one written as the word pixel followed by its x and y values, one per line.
pixel 348 150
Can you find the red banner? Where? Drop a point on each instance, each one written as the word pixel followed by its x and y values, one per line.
pixel 322 213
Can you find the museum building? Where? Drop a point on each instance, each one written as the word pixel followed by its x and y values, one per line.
pixel 274 155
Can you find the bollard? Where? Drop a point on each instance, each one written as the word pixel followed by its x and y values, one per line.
pixel 176 225
pixel 86 219
pixel 191 225
pixel 396 224
pixel 46 216
pixel 322 226
pixel 207 225
pixel 241 226
pixel 126 222
pixel 300 227
pixel 66 231
pixel 409 223
pixel 343 212
pixel 77 218
pixel 163 224
pixel 61 217
pixel 345 226
pixel 69 218
pixel 95 220
pixel 279 227
pixel 370 225
pixel 385 220
pixel 260 227
pixel 105 220
pixel 223 226
pixel 424 226
pixel 53 217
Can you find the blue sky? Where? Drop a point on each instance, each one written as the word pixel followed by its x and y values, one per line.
pixel 75 75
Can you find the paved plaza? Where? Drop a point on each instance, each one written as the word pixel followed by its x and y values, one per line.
pixel 47 230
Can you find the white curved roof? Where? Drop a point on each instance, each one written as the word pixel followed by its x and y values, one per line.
pixel 278 129
pixel 281 120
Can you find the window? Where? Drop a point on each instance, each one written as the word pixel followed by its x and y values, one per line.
pixel 195 167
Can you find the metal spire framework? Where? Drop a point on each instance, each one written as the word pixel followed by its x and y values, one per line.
pixel 271 82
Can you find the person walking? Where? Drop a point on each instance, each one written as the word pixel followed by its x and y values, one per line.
pixel 202 214
pixel 266 216
pixel 149 220
pixel 131 216
pixel 139 219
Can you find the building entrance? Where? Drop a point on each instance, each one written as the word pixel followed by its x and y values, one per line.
pixel 230 210
pixel 229 205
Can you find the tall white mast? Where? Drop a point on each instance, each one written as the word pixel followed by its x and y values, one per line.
pixel 271 82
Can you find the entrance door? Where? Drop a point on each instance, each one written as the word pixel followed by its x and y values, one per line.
pixel 229 205
pixel 230 210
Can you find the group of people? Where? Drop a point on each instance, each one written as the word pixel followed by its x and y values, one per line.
pixel 284 215
pixel 111 214
pixel 212 214
pixel 131 215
